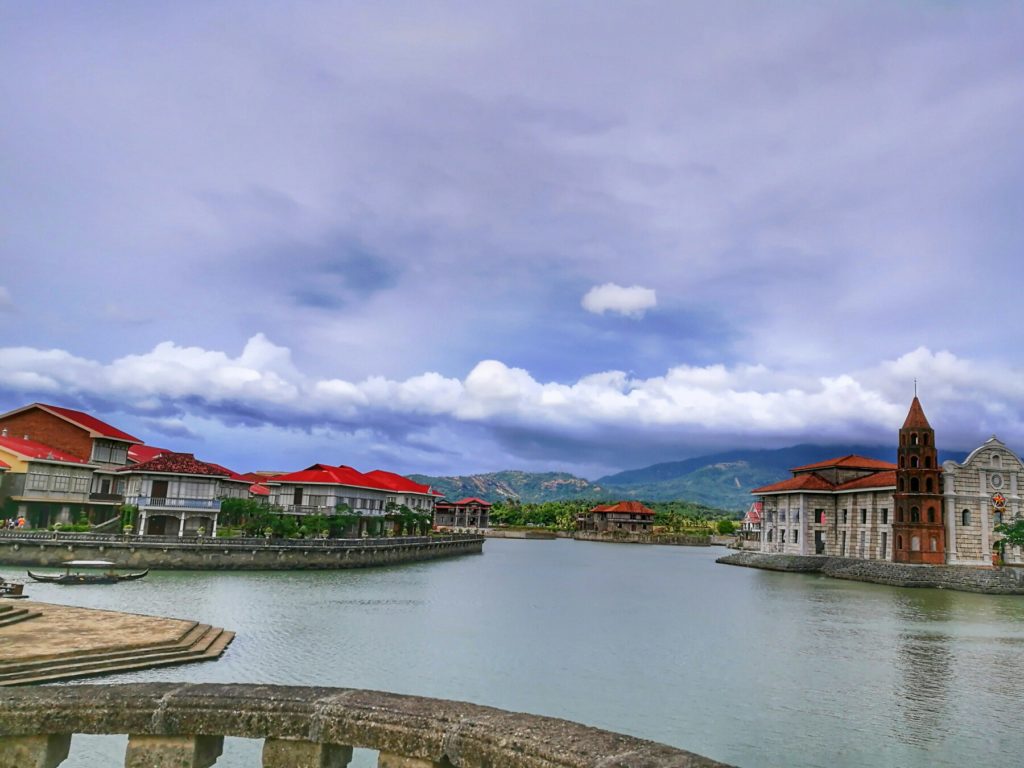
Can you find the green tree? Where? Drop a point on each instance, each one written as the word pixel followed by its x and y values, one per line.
pixel 726 527
pixel 1013 534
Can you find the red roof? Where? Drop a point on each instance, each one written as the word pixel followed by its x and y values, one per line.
pixel 178 464
pixel 91 424
pixel 396 482
pixel 4 464
pixel 805 482
pixel 258 490
pixel 465 502
pixel 325 474
pixel 850 461
pixel 915 417
pixel 140 453
pixel 754 513
pixel 877 480
pixel 30 449
pixel 632 507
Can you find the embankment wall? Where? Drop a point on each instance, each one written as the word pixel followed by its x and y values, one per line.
pixel 992 581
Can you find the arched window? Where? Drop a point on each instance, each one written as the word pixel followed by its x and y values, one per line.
pixel 915 544
pixel 915 515
pixel 927 462
pixel 899 542
pixel 924 438
pixel 913 439
pixel 901 485
pixel 931 514
pixel 899 514
pixel 929 485
pixel 935 544
pixel 965 518
pixel 914 462
pixel 997 460
pixel 915 485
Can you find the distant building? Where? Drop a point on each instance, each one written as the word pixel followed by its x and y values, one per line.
pixel 751 524
pixel 913 511
pixel 631 516
pixel 43 484
pixel 463 514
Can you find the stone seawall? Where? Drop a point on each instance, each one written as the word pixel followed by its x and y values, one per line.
pixel 992 581
pixel 679 540
pixel 227 554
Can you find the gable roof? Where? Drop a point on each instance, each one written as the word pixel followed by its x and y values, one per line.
pixel 30 449
pixel 631 507
pixel 850 461
pixel 466 502
pixel 396 482
pixel 754 513
pixel 876 480
pixel 325 474
pixel 178 464
pixel 90 424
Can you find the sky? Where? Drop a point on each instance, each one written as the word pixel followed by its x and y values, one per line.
pixel 457 237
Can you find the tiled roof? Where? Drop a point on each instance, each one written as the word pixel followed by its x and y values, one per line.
pixel 877 480
pixel 87 422
pixel 850 461
pixel 396 482
pixel 466 502
pixel 259 490
pixel 178 464
pixel 916 418
pixel 325 474
pixel 140 453
pixel 30 449
pixel 805 482
pixel 632 507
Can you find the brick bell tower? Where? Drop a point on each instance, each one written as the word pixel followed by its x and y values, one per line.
pixel 918 533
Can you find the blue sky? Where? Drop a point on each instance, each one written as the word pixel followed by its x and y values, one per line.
pixel 457 237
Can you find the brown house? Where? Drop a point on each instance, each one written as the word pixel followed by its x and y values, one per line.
pixel 630 516
pixel 464 513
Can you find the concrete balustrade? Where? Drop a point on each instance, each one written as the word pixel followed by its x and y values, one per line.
pixel 173 725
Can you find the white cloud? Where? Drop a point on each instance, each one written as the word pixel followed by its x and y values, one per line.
pixel 631 302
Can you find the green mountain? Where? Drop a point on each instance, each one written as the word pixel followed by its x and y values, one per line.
pixel 722 480
pixel 511 484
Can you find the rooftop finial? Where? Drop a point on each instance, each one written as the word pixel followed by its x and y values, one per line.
pixel 915 387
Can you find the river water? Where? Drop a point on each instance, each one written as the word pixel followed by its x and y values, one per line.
pixel 748 667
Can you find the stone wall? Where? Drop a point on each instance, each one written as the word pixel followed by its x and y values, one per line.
pixel 48 550
pixel 184 725
pixel 644 538
pixel 993 581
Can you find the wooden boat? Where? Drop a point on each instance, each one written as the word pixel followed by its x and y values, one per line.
pixel 11 589
pixel 108 576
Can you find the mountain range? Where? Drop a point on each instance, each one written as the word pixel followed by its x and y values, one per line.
pixel 722 480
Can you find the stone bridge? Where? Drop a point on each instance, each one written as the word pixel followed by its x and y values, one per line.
pixel 183 726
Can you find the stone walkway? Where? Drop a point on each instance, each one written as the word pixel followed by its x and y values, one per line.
pixel 58 642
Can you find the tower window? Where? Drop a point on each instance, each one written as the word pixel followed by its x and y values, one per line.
pixel 915 543
pixel 935 544
pixel 903 461
pixel 927 462
pixel 915 485
pixel 965 518
pixel 929 485
pixel 899 515
pixel 924 439
pixel 914 462
pixel 901 485
pixel 913 439
pixel 931 514
pixel 915 515
pixel 899 542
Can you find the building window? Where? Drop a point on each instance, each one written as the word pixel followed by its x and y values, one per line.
pixel 782 515
pixel 863 517
pixel 819 516
pixel 844 517
pixel 796 516
pixel 913 439
pixel 997 518
pixel 929 486
pixel 928 462
pixel 901 485
pixel 965 518
pixel 796 536
pixel 924 438
pixel 934 544
pixel 770 535
pixel 899 514
pixel 914 462
pixel 997 460
pixel 931 514
pixel 903 461
pixel 885 517
pixel 915 485
pixel 899 542
pixel 881 548
pixel 915 515
pixel 915 544
pixel 782 536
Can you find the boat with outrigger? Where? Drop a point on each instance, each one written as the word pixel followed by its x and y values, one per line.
pixel 109 575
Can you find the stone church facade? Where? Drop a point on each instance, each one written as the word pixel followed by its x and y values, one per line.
pixel 911 511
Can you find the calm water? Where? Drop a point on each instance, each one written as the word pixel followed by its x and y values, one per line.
pixel 746 666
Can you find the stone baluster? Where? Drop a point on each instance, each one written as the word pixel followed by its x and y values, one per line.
pixel 288 753
pixel 172 751
pixel 47 751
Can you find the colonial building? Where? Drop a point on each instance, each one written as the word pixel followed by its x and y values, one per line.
pixel 322 488
pixel 912 511
pixel 464 513
pixel 403 492
pixel 178 495
pixel 42 484
pixel 631 516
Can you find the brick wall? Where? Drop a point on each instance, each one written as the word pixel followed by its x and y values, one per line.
pixel 50 430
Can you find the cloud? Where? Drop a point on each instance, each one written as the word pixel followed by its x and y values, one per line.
pixel 631 302
pixel 608 413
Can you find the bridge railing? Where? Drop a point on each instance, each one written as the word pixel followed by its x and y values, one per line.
pixel 185 725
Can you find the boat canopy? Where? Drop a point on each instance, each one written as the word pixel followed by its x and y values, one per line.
pixel 87 564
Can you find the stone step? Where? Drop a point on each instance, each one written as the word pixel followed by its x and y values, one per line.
pixel 210 647
pixel 16 617
pixel 196 633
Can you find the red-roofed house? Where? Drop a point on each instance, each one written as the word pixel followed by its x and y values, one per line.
pixel 322 488
pixel 403 492
pixel 140 453
pixel 631 516
pixel 469 513
pixel 44 484
pixel 177 494
pixel 841 507
pixel 752 520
